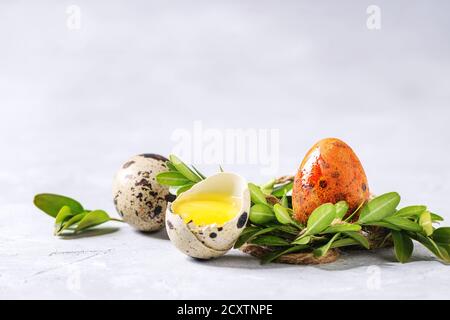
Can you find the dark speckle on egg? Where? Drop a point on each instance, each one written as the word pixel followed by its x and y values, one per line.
pixel 127 164
pixel 242 220
pixel 213 235
pixel 158 210
pixel 154 156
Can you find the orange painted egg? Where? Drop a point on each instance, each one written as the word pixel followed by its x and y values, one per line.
pixel 330 172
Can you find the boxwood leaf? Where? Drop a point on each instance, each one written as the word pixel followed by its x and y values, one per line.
pixel 281 190
pixel 63 215
pixel 282 214
pixel 341 209
pixel 261 214
pixel 342 228
pixel 410 211
pixel 320 252
pixel 379 208
pixel 245 235
pixel 302 240
pixel 72 221
pixel 403 223
pixel 251 235
pixel 345 242
pixel 269 240
pixel 170 166
pixel 442 235
pixel 439 251
pixel 172 178
pixel 183 169
pixel 285 201
pixel 384 224
pixel 359 238
pixel 258 197
pixel 436 217
pixel 426 223
pixel 51 204
pixel 403 246
pixel 92 219
pixel 184 188
pixel 320 219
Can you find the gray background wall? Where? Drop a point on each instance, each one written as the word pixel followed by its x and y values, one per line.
pixel 75 104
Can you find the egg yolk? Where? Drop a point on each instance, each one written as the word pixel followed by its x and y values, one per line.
pixel 207 208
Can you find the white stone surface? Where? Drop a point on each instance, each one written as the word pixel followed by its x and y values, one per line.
pixel 75 104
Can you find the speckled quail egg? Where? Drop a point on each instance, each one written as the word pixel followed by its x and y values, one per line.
pixel 205 221
pixel 138 197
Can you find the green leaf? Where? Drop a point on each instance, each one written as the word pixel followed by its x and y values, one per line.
pixel 302 240
pixel 92 219
pixel 350 216
pixel 426 223
pixel 51 204
pixel 170 166
pixel 282 214
pixel 346 242
pixel 436 217
pixel 184 188
pixel 344 227
pixel 276 254
pixel 270 240
pixel 379 208
pixel 72 221
pixel 172 178
pixel 320 219
pixel 403 223
pixel 290 229
pixel 442 235
pixel 202 176
pixel 183 169
pixel 320 252
pixel 411 211
pixel 403 246
pixel 251 235
pixel 64 214
pixel 281 190
pixel 268 187
pixel 359 238
pixel 285 201
pixel 438 251
pixel 341 209
pixel 384 224
pixel 258 197
pixel 261 214
pixel 248 233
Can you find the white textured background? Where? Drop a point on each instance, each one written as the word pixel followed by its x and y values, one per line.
pixel 75 104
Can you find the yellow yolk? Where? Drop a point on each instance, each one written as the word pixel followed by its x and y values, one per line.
pixel 207 208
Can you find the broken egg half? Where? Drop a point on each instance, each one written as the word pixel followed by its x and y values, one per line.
pixel 205 221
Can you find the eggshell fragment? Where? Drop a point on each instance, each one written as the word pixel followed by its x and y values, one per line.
pixel 210 241
pixel 330 172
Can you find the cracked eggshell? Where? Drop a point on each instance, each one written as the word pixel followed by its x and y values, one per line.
pixel 210 241
pixel 139 199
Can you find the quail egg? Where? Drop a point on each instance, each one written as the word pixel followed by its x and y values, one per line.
pixel 330 172
pixel 138 197
pixel 205 221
